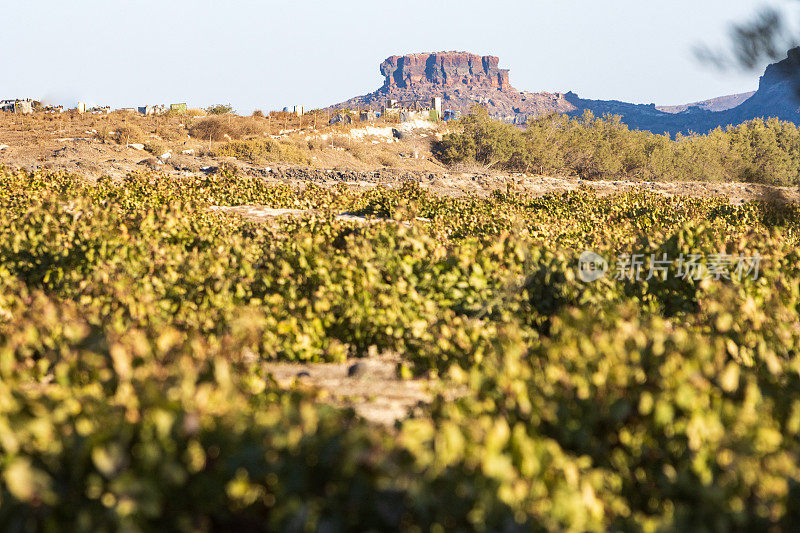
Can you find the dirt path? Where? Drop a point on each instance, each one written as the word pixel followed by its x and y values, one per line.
pixel 371 386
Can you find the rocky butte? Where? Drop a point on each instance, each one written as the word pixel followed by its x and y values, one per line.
pixel 463 80
pixel 444 69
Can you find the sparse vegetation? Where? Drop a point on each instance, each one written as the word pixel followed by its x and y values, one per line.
pixel 220 109
pixel 200 136
pixel 261 150
pixel 129 133
pixel 387 160
pixel 213 129
pixel 171 132
pixel 226 128
pixel 155 148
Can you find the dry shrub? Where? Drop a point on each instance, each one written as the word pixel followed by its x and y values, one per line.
pixel 155 149
pixel 316 144
pixel 358 151
pixel 214 129
pixel 151 162
pixel 261 150
pixel 354 147
pixel 128 133
pixel 171 132
pixel 387 160
pixel 342 142
pixel 246 126
pixel 234 126
pixel 103 133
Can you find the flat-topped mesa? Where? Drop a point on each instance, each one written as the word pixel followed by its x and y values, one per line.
pixel 444 69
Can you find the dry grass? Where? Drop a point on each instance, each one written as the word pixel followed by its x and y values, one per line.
pixel 387 159
pixel 229 127
pixel 212 129
pixel 171 132
pixel 179 132
pixel 128 133
pixel 155 148
pixel 264 150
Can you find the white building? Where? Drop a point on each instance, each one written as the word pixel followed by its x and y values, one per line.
pixel 152 110
pixel 23 107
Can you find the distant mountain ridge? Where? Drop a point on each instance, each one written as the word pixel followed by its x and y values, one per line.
pixel 463 80
pixel 721 103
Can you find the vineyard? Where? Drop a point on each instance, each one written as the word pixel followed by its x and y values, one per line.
pixel 136 325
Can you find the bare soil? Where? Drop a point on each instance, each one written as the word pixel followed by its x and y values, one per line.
pixel 371 386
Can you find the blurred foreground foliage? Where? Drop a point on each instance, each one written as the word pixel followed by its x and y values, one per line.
pixel 134 324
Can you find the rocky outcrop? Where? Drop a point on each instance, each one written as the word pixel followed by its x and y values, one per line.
pixel 782 73
pixel 445 69
pixel 463 80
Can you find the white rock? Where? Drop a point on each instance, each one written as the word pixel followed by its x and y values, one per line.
pixel 165 156
pixel 3 146
pixel 188 152
pixel 136 146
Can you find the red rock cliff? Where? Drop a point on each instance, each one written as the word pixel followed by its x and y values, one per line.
pixel 444 69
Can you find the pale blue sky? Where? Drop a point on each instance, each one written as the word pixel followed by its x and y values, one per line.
pixel 270 54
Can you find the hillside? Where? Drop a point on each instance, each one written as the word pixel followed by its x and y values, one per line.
pixel 463 80
pixel 721 103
